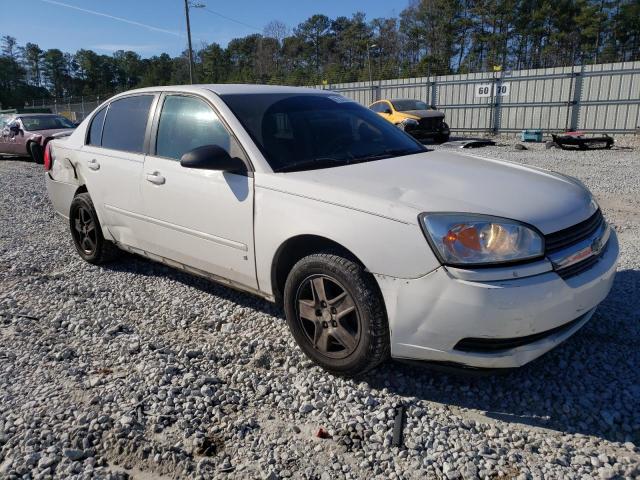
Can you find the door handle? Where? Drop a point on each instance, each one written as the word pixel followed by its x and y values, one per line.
pixel 155 178
pixel 93 164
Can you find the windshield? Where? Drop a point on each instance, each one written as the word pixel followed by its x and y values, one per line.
pixel 309 131
pixel 46 122
pixel 405 105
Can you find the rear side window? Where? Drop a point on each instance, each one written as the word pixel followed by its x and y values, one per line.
pixel 187 123
pixel 95 130
pixel 126 124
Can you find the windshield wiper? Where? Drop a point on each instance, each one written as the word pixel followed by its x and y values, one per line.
pixel 386 154
pixel 312 163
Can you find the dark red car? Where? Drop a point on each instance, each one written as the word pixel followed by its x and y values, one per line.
pixel 26 134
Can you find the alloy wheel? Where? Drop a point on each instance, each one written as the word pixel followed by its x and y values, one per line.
pixel 328 316
pixel 85 230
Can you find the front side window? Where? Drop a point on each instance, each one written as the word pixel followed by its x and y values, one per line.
pixel 311 131
pixel 95 130
pixel 126 123
pixel 187 123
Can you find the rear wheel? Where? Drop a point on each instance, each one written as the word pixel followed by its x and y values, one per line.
pixel 336 314
pixel 87 233
pixel 35 150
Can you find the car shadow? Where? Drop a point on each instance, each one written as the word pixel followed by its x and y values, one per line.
pixel 590 384
pixel 130 263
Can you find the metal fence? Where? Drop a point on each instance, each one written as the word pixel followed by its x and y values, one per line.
pixel 590 98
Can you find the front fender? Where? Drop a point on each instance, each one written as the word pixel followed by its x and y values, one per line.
pixel 385 246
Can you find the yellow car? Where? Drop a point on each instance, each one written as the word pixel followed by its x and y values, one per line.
pixel 415 117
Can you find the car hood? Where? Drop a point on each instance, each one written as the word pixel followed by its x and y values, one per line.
pixel 403 187
pixel 418 114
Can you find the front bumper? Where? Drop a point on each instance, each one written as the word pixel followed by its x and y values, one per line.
pixel 431 315
pixel 420 134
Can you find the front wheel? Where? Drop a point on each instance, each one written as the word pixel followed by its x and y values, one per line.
pixel 35 150
pixel 87 233
pixel 440 138
pixel 336 314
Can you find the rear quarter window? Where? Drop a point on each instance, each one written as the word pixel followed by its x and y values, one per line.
pixel 94 137
pixel 126 123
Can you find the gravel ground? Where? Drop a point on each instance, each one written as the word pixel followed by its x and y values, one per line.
pixel 138 370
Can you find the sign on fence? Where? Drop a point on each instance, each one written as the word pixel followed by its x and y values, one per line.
pixel 487 90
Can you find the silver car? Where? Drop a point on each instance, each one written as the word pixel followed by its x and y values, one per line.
pixel 374 245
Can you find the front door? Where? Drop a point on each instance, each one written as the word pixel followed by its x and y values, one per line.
pixel 200 218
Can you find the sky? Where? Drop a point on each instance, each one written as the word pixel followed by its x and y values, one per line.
pixel 151 27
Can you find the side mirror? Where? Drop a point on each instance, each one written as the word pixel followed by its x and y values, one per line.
pixel 14 128
pixel 387 111
pixel 212 157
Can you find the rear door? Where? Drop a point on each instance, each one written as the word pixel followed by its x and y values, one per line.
pixel 200 218
pixel 112 161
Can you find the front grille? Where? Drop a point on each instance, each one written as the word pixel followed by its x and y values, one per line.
pixel 582 266
pixel 496 345
pixel 558 240
pixel 430 123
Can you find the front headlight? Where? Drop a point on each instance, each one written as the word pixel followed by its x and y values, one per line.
pixel 408 122
pixel 463 239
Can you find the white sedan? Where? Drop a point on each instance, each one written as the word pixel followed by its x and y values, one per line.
pixel 374 245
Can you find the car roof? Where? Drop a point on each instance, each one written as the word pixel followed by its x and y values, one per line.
pixel 231 89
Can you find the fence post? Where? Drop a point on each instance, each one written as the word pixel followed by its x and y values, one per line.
pixel 82 103
pixel 573 106
pixel 434 93
pixel 497 99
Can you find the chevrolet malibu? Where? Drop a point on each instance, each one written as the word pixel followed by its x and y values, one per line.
pixel 373 245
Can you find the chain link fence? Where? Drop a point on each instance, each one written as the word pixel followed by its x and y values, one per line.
pixel 74 108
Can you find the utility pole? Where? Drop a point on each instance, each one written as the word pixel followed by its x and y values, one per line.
pixel 188 5
pixel 186 12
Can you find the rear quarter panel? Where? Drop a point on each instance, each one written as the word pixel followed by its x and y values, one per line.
pixel 62 180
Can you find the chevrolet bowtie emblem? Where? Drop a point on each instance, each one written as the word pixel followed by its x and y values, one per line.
pixel 596 245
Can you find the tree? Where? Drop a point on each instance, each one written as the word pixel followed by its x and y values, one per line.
pixel 55 71
pixel 428 37
pixel 9 44
pixel 214 64
pixel 313 32
pixel 33 59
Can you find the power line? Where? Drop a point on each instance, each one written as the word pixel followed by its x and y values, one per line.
pixel 113 17
pixel 232 19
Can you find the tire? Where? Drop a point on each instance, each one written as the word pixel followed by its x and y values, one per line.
pixel 36 152
pixel 351 334
pixel 441 138
pixel 87 233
